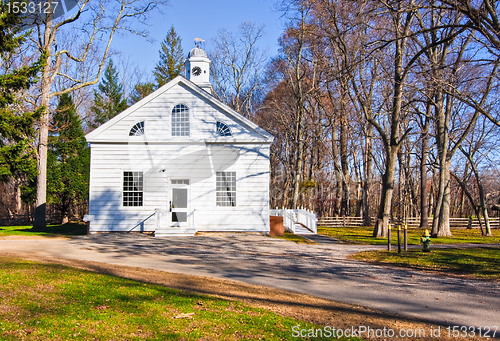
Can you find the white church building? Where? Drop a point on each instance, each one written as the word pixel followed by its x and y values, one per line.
pixel 180 161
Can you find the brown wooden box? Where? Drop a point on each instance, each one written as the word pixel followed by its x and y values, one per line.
pixel 277 228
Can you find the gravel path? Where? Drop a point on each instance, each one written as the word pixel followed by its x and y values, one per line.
pixel 319 270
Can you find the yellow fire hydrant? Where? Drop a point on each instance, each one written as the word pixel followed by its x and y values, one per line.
pixel 426 240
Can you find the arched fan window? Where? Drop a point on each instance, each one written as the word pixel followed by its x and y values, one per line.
pixel 223 129
pixel 137 129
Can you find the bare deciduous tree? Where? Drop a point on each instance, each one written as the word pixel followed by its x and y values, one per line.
pixel 237 66
pixel 98 22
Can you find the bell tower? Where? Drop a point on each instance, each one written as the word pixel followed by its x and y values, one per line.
pixel 197 67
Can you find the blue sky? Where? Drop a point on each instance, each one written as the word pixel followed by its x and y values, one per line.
pixel 200 19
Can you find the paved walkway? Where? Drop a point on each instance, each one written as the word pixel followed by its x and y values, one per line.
pixel 321 270
pixel 320 239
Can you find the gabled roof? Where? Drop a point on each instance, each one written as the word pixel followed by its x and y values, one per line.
pixel 195 88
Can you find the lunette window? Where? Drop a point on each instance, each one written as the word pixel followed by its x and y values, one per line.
pixel 132 189
pixel 223 129
pixel 226 189
pixel 180 120
pixel 137 129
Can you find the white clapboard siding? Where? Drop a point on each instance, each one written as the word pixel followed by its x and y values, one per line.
pixel 162 157
pixel 252 173
pixel 157 118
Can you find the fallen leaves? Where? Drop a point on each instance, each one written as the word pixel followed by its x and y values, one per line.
pixel 184 316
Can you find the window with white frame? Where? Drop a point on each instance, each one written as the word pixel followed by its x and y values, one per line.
pixel 223 129
pixel 180 120
pixel 132 188
pixel 137 129
pixel 226 188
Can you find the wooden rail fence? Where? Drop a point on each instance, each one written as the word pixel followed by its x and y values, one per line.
pixel 27 219
pixel 455 223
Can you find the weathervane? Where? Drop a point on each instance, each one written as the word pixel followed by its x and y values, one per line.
pixel 198 41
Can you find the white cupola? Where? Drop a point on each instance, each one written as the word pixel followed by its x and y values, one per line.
pixel 197 67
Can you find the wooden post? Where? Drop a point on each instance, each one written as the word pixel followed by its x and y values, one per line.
pixel 157 216
pixel 406 237
pixel 389 238
pixel 399 239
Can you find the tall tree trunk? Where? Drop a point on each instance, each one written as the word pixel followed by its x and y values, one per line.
pixel 299 122
pixel 359 198
pixel 384 213
pixel 367 169
pixel 43 129
pixel 441 147
pixel 337 172
pixel 442 209
pixel 345 167
pixel 407 192
pixel 432 191
pixel 299 162
pixel 359 187
pixel 424 194
pixel 424 190
pixel 462 194
pixel 463 186
pixel 393 144
pixel 17 196
pixel 486 219
pixel 482 197
pixel 401 186
pixel 482 200
pixel 343 141
pixel 444 216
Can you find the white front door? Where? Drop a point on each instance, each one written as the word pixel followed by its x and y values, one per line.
pixel 179 203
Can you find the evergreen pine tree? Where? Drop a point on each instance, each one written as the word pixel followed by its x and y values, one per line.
pixel 17 158
pixel 68 159
pixel 171 59
pixel 108 101
pixel 141 90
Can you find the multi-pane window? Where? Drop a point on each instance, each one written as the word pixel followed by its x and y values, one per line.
pixel 137 129
pixel 132 188
pixel 180 120
pixel 226 188
pixel 223 129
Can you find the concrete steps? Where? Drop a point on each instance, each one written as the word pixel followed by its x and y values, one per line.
pixel 175 232
pixel 299 229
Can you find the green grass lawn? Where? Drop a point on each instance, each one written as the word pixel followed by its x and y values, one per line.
pixel 54 302
pixel 295 238
pixel 363 235
pixel 478 262
pixel 52 230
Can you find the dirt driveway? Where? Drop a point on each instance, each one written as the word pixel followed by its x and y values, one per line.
pixel 258 270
